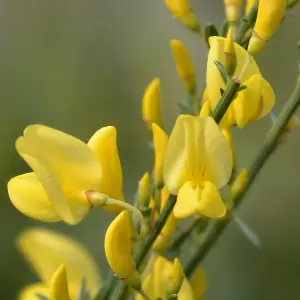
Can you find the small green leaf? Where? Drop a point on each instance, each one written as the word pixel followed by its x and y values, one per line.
pixel 242 87
pixel 224 28
pixel 83 292
pixel 41 297
pixel 222 71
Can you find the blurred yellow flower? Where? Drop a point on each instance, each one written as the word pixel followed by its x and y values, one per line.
pixel 47 251
pixel 151 104
pixel 157 281
pixel 65 168
pixel 249 5
pixel 232 10
pixel 182 10
pixel 198 284
pixel 269 16
pixel 250 104
pixel 160 141
pixel 184 65
pixel 118 246
pixel 198 162
pixel 59 285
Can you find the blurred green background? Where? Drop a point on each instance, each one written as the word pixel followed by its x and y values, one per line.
pixel 80 65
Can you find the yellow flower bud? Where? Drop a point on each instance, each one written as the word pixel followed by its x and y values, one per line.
pixel 144 190
pixel 240 183
pixel 269 17
pixel 205 110
pixel 118 246
pixel 59 285
pixel 232 10
pixel 182 10
pixel 249 5
pixel 229 53
pixel 184 65
pixel 198 284
pixel 151 104
pixel 176 278
pixel 160 142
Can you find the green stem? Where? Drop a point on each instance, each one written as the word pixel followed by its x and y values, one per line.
pixel 216 227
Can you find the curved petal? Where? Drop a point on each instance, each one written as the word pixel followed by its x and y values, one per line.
pixel 160 142
pixel 204 200
pixel 30 292
pixel 71 161
pixel 59 284
pixel 198 284
pixel 104 144
pixel 214 80
pixel 46 250
pixel 29 197
pixel 267 97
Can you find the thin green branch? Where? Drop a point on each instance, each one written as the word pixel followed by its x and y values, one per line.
pixel 216 227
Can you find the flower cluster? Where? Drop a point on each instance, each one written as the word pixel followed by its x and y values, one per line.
pixel 194 172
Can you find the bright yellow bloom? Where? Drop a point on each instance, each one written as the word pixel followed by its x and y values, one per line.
pixel 46 251
pixel 65 168
pixel 252 103
pixel 144 193
pixel 176 278
pixel 249 5
pixel 156 282
pixel 269 17
pixel 198 284
pixel 118 246
pixel 232 10
pixel 198 162
pixel 160 141
pixel 59 285
pixel 151 104
pixel 184 65
pixel 182 10
pixel 164 239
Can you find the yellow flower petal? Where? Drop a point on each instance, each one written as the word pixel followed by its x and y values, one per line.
pixel 59 285
pixel 104 145
pixel 151 104
pixel 214 80
pixel 29 197
pixel 197 151
pixel 118 248
pixel 204 200
pixel 232 10
pixel 30 292
pixel 156 282
pixel 176 277
pixel 160 142
pixel 46 250
pixel 198 284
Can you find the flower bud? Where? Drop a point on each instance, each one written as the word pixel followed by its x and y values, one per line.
pixel 269 17
pixel 249 5
pixel 240 183
pixel 176 278
pixel 151 104
pixel 198 284
pixel 144 190
pixel 232 10
pixel 184 65
pixel 59 285
pixel 229 53
pixel 118 246
pixel 182 10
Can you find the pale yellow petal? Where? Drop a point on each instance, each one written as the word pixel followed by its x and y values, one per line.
pixel 267 97
pixel 30 292
pixel 71 161
pixel 214 80
pixel 198 284
pixel 104 145
pixel 59 285
pixel 29 197
pixel 46 250
pixel 48 181
pixel 160 142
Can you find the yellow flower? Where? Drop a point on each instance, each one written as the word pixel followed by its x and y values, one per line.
pixel 65 168
pixel 184 65
pixel 198 162
pixel 144 190
pixel 249 5
pixel 164 239
pixel 151 104
pixel 59 285
pixel 118 246
pixel 232 10
pixel 176 278
pixel 269 17
pixel 252 103
pixel 160 141
pixel 157 281
pixel 46 251
pixel 182 10
pixel 198 284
